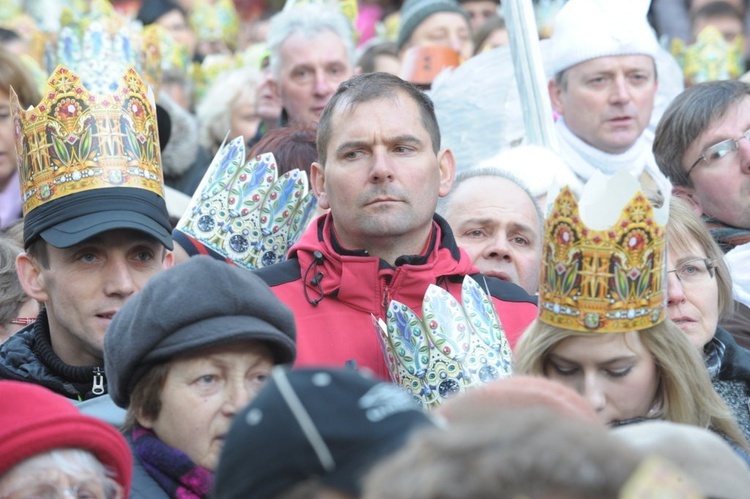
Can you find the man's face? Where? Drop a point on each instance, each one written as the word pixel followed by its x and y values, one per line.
pixel 607 101
pixel 86 284
pixel 721 189
pixel 479 11
pixel 311 71
pixel 496 222
pixel 444 29
pixel 382 179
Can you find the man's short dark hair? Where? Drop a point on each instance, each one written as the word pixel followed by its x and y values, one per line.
pixel 368 87
pixel 37 250
pixel 688 116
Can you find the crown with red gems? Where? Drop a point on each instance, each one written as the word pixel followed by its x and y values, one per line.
pixel 604 258
pixel 454 346
pixel 75 140
pixel 244 211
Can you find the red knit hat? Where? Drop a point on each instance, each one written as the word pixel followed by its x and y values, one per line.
pixel 34 420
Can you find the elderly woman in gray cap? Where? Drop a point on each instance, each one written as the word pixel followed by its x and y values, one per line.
pixel 184 356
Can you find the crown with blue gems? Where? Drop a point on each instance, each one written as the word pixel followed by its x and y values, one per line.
pixel 244 211
pixel 454 346
pixel 604 258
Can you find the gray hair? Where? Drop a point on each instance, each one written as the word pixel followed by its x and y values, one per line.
pixel 307 20
pixel 215 110
pixel 488 171
pixel 688 116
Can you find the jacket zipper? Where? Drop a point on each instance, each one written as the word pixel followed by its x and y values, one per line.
pixel 98 388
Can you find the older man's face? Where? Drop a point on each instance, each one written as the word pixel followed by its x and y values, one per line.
pixel 607 101
pixel 496 222
pixel 311 71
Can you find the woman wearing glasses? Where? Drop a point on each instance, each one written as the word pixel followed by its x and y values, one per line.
pixel 699 292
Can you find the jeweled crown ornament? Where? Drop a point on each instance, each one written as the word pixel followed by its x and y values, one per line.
pixel 214 20
pixel 453 347
pixel 98 47
pixel 76 140
pixel 244 211
pixel 162 57
pixel 604 259
pixel 710 58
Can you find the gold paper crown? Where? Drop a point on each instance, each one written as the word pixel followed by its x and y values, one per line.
pixel 710 58
pixel 605 279
pixel 244 211
pixel 162 56
pixel 455 346
pixel 75 141
pixel 215 20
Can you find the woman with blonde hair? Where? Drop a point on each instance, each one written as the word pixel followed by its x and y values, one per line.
pixel 681 389
pixel 602 328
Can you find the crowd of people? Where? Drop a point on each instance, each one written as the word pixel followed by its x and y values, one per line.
pixel 252 249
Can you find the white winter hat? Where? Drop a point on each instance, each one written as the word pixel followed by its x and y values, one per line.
pixel 587 29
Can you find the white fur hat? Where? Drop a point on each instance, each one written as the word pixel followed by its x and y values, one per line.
pixel 587 29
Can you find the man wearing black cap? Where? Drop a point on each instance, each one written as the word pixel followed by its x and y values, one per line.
pixel 96 225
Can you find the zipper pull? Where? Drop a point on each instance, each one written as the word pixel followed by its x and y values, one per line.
pixel 98 388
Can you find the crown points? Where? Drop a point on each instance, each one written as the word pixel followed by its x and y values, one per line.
pixel 245 212
pixel 456 345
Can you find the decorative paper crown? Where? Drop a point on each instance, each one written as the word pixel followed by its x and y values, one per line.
pixel 607 275
pixel 98 47
pixel 215 20
pixel 710 58
pixel 162 57
pixel 76 140
pixel 244 211
pixel 453 347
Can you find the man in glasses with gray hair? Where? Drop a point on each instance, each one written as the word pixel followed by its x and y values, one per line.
pixel 702 144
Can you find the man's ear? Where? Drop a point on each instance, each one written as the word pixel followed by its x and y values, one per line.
pixel 31 276
pixel 555 91
pixel 168 261
pixel 688 195
pixel 447 165
pixel 317 179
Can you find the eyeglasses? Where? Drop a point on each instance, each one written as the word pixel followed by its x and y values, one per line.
pixel 23 321
pixel 88 489
pixel 695 271
pixel 721 152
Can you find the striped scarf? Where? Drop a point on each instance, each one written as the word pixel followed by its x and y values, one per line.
pixel 727 236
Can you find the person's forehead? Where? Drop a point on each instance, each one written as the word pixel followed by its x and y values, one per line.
pixel 734 121
pixel 495 190
pixel 613 63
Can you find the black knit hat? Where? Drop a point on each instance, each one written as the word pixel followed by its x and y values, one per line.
pixel 329 424
pixel 414 12
pixel 197 304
